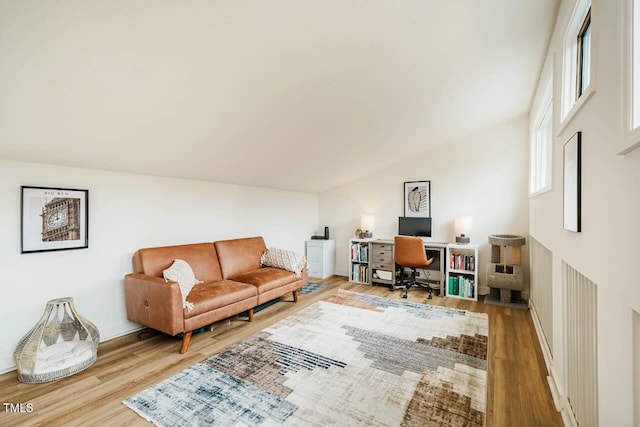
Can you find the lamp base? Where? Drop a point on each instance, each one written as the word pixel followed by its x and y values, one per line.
pixel 463 239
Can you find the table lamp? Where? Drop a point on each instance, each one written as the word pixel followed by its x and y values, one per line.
pixel 462 228
pixel 367 224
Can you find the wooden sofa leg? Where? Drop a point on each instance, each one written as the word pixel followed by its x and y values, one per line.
pixel 295 296
pixel 186 339
pixel 251 315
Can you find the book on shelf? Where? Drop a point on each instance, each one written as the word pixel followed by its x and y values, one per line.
pixel 360 273
pixel 359 252
pixel 461 286
pixel 462 262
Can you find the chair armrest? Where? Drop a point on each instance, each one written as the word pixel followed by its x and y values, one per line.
pixel 154 302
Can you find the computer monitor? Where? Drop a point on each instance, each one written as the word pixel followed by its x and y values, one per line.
pixel 411 226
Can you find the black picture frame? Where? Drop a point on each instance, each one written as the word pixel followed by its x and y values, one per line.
pixel 417 199
pixel 53 219
pixel 572 185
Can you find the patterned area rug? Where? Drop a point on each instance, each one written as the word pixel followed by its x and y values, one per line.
pixel 349 360
pixel 311 287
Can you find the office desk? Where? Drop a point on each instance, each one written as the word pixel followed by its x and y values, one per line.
pixel 371 262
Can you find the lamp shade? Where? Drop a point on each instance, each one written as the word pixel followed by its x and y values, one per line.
pixel 462 226
pixel 367 222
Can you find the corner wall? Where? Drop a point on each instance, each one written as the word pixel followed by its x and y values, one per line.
pixel 127 212
pixel 484 175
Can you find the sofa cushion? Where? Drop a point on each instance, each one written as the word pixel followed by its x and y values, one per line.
pixel 266 278
pixel 201 257
pixel 281 258
pixel 239 256
pixel 209 296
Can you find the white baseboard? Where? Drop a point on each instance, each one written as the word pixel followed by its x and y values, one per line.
pixel 546 351
pixel 557 393
pixel 117 330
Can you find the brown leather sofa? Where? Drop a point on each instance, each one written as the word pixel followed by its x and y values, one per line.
pixel 233 282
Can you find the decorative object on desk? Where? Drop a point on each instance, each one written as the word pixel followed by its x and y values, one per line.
pixel 417 198
pixel 367 222
pixel 54 219
pixel 572 169
pixel 462 228
pixel 434 373
pixel 505 271
pixel 60 344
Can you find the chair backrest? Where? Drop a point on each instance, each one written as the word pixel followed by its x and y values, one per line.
pixel 409 252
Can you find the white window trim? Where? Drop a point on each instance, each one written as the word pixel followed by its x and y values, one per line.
pixel 542 103
pixel 631 139
pixel 570 103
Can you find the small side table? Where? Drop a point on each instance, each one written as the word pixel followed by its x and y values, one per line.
pixel 321 256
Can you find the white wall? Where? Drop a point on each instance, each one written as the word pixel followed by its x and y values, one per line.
pixel 606 251
pixel 127 212
pixel 483 175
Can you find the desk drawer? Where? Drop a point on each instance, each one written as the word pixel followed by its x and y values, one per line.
pixel 381 256
pixel 382 246
pixel 383 265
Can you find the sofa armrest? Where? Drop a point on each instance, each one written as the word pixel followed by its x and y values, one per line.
pixel 154 302
pixel 304 274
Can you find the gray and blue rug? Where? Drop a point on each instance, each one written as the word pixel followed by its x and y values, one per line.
pixel 311 287
pixel 349 360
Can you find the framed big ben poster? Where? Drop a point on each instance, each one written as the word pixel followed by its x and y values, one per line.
pixel 54 219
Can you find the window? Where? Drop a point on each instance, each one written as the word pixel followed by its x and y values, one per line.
pixel 577 76
pixel 632 69
pixel 584 55
pixel 541 140
pixel 635 64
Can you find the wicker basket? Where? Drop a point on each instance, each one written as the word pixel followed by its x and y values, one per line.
pixel 60 344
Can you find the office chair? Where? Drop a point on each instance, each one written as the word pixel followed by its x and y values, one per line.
pixel 409 252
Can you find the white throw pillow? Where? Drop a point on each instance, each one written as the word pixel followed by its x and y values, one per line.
pixel 281 258
pixel 181 272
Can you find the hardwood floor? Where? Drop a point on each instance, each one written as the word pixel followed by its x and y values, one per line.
pixel 517 394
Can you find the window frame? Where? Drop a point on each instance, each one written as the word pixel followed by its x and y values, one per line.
pixel 570 102
pixel 541 149
pixel 631 139
pixel 580 69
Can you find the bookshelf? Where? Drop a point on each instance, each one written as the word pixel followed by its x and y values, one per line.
pixel 359 271
pixel 462 271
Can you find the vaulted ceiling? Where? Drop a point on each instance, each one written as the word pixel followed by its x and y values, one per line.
pixel 289 94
